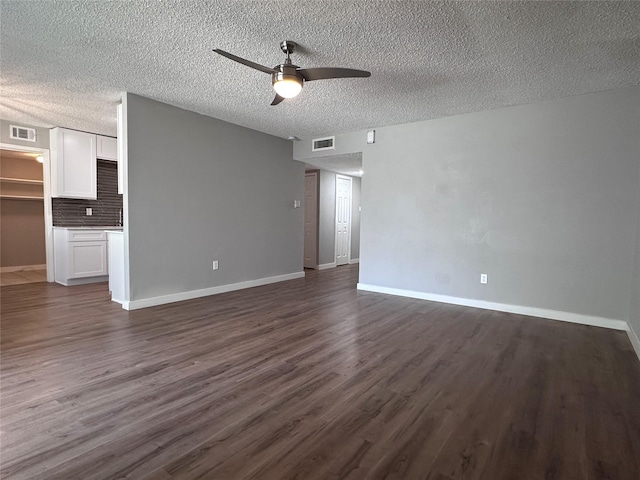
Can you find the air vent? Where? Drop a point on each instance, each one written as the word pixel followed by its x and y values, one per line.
pixel 23 133
pixel 327 143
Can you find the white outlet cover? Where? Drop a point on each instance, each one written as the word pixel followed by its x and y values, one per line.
pixel 89 211
pixel 483 278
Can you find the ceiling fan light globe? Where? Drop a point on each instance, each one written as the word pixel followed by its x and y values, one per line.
pixel 287 87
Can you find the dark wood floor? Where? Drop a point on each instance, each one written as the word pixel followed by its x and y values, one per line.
pixel 308 379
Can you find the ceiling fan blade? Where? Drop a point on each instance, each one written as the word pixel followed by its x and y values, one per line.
pixel 323 73
pixel 243 61
pixel 277 99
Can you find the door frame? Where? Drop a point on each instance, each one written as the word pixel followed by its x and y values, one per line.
pixel 335 246
pixel 316 174
pixel 48 214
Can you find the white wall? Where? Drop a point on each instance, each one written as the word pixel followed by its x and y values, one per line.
pixel 200 189
pixel 543 198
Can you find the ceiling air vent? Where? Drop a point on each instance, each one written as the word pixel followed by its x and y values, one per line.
pixel 326 143
pixel 23 133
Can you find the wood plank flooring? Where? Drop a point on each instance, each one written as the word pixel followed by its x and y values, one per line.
pixel 308 379
pixel 23 276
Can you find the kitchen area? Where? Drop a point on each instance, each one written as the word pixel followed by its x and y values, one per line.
pixel 86 207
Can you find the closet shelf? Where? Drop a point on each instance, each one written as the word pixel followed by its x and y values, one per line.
pixel 24 181
pixel 20 197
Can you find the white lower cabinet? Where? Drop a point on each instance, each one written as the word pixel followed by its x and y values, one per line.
pixel 116 265
pixel 80 255
pixel 87 259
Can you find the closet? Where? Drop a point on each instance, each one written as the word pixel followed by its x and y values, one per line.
pixel 22 226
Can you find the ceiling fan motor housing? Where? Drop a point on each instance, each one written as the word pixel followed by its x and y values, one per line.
pixel 286 80
pixel 286 72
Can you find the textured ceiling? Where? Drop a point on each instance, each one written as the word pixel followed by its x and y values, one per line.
pixel 65 62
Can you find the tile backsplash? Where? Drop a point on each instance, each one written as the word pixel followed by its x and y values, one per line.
pixel 71 212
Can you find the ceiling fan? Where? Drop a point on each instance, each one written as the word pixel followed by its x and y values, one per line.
pixel 287 79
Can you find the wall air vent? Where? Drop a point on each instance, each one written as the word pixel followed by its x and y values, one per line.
pixel 326 143
pixel 22 133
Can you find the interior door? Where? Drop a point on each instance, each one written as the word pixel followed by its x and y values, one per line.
pixel 311 220
pixel 343 219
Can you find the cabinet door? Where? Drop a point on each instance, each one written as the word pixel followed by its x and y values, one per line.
pixel 87 259
pixel 107 148
pixel 73 164
pixel 116 266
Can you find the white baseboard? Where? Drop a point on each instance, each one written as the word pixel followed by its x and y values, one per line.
pixel 354 260
pixel 205 292
pixel 635 341
pixel 503 307
pixel 325 266
pixel 70 282
pixel 23 268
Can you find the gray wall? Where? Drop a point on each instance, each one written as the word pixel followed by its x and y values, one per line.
pixel 42 135
pixel 327 218
pixel 543 198
pixel 345 143
pixel 201 189
pixel 355 216
pixel 634 318
pixel 22 233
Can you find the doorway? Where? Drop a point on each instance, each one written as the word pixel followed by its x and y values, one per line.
pixel 25 215
pixel 343 219
pixel 331 217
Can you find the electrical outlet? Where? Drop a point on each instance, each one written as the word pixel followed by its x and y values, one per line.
pixel 483 278
pixel 89 211
pixel 215 264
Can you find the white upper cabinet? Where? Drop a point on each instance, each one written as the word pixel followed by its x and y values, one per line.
pixel 107 148
pixel 73 164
